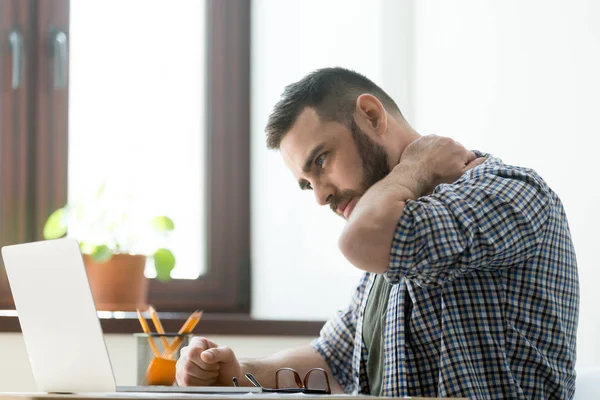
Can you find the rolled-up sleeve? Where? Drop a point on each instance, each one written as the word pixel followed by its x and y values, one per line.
pixel 491 218
pixel 336 340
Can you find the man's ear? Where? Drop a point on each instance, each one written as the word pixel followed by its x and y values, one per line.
pixel 370 115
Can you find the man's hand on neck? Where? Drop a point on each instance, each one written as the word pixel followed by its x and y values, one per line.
pixel 424 164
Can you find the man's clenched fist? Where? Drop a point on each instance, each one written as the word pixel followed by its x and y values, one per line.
pixel 204 363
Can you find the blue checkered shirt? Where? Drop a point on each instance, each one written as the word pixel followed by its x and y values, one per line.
pixel 485 295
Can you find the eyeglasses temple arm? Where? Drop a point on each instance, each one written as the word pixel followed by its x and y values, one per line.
pixel 252 379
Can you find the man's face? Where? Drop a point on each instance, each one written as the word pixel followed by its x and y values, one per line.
pixel 337 163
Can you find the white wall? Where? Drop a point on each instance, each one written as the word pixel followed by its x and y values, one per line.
pixel 521 79
pixel 515 78
pixel 297 270
pixel 15 371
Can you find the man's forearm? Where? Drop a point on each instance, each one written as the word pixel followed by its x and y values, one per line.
pixel 301 359
pixel 368 234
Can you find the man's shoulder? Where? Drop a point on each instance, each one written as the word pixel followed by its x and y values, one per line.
pixel 495 171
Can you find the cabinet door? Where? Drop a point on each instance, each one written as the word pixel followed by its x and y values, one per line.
pixel 49 102
pixel 15 140
pixel 33 119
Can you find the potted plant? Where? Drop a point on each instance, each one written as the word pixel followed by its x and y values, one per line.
pixel 117 239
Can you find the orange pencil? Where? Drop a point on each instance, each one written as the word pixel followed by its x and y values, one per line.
pixel 187 327
pixel 158 326
pixel 146 330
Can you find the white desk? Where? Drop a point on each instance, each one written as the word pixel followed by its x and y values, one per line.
pixel 180 396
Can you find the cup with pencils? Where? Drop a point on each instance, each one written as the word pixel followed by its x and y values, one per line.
pixel 157 352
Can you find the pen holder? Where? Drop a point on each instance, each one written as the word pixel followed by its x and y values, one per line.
pixel 152 370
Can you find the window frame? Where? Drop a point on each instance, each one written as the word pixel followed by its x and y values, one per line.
pixel 225 287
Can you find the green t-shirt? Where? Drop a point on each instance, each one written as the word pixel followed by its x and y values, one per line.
pixel 373 328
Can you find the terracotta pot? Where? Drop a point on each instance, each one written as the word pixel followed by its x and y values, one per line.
pixel 118 284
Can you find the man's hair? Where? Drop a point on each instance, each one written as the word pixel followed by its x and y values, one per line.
pixel 332 92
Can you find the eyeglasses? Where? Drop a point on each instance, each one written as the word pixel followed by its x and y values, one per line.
pixel 288 380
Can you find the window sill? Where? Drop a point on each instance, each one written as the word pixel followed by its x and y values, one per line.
pixel 211 324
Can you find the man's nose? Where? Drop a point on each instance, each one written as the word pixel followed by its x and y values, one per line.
pixel 323 194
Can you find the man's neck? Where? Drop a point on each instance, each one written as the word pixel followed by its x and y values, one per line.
pixel 405 135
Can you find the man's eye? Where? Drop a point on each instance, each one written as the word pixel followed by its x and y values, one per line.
pixel 320 160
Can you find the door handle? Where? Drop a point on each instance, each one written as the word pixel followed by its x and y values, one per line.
pixel 60 51
pixel 15 40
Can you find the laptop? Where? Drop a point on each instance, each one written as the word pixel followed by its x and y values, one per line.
pixel 60 325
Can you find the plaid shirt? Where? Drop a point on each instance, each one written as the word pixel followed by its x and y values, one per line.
pixel 485 295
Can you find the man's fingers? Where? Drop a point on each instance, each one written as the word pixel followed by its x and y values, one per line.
pixel 202 342
pixel 471 156
pixel 192 369
pixel 194 353
pixel 218 355
pixel 206 366
pixel 195 357
pixel 189 371
pixel 196 373
pixel 475 163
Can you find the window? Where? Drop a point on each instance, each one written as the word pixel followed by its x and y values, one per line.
pixel 136 114
pixel 51 117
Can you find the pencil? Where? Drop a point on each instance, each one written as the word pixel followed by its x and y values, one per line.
pixel 146 330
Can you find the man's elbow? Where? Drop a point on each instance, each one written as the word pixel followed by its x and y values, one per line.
pixel 345 244
pixel 357 246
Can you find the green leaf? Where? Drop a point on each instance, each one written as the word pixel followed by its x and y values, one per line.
pixel 164 262
pixel 101 190
pixel 86 247
pixel 79 211
pixel 163 224
pixel 56 224
pixel 101 253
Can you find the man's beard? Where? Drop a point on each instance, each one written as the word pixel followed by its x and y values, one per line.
pixel 375 166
